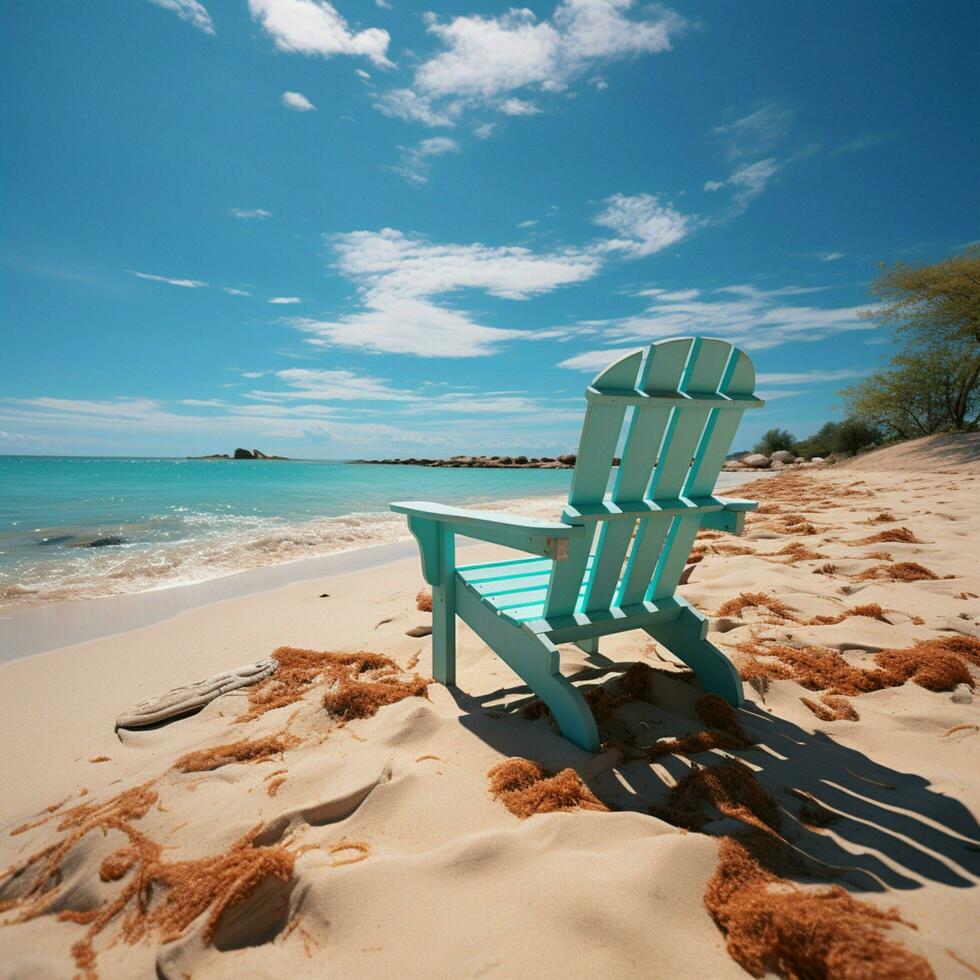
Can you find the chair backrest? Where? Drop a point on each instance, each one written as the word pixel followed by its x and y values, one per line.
pixel 677 403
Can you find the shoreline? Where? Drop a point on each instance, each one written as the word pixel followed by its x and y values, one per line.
pixel 31 630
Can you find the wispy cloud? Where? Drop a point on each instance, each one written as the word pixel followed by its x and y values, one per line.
pixel 315 27
pixel 808 377
pixel 485 61
pixel 191 11
pixel 644 224
pixel 231 291
pixel 297 102
pixel 246 214
pixel 399 276
pixel 183 283
pixel 754 134
pixel 285 300
pixel 742 314
pixel 415 165
pixel 861 143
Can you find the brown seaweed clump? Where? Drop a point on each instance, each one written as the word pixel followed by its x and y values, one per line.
pixel 356 675
pixel 731 789
pixel 774 926
pixel 716 713
pixel 155 895
pixel 832 708
pixel 892 535
pixel 245 750
pixel 938 665
pixel 870 610
pixel 423 601
pixel 525 789
pixel 903 571
pixel 355 698
pixel 736 606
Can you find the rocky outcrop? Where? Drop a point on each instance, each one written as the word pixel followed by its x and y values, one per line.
pixel 240 454
pixel 565 462
pixel 779 460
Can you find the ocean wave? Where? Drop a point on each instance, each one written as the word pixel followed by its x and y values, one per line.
pixel 212 546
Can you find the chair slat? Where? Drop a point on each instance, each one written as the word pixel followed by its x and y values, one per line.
pixel 597 446
pixel 716 439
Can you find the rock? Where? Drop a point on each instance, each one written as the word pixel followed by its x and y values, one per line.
pixel 243 454
pixel 59 539
pixel 818 460
pixel 419 631
pixel 962 694
pixel 568 459
pixel 799 459
pixel 783 456
pixel 756 461
pixel 112 539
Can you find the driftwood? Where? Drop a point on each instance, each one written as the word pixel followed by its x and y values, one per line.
pixel 182 700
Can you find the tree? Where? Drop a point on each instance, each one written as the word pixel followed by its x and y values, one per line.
pixel 942 299
pixel 773 440
pixel 844 438
pixel 933 383
pixel 928 388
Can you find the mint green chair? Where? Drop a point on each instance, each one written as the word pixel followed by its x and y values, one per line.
pixel 613 561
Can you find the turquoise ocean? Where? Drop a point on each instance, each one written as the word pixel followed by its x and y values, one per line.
pixel 183 521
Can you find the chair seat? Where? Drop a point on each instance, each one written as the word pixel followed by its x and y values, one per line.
pixel 516 588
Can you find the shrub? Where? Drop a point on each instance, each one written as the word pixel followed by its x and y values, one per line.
pixel 774 440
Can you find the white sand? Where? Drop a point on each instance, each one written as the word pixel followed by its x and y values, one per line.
pixel 454 884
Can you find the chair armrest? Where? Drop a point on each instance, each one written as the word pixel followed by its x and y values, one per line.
pixel 731 517
pixel 426 520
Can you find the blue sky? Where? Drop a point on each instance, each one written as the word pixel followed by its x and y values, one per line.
pixel 378 228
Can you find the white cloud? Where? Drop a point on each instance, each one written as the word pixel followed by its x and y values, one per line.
pixel 361 73
pixel 183 283
pixel 285 300
pixel 297 102
pixel 191 11
pixel 742 314
pixel 595 360
pixel 398 277
pixel 336 385
pixel 403 103
pixel 808 377
pixel 485 131
pixel 484 60
pixel 414 164
pixel 530 223
pixel 231 291
pixel 747 184
pixel 314 27
pixel 754 134
pixel 383 4
pixel 646 225
pixel 246 214
pixel 518 107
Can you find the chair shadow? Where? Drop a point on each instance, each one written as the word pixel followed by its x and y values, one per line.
pixel 885 829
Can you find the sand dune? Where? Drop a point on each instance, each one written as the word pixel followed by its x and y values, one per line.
pixel 322 837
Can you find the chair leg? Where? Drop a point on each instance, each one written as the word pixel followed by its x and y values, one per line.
pixel 589 646
pixel 535 660
pixel 444 615
pixel 685 638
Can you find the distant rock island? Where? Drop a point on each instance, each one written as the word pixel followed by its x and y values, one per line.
pixel 240 454
pixel 565 462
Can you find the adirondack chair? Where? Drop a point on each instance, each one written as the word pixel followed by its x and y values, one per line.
pixel 613 561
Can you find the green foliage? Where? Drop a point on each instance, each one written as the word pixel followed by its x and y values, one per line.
pixel 846 438
pixel 941 300
pixel 774 440
pixel 933 383
pixel 928 388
